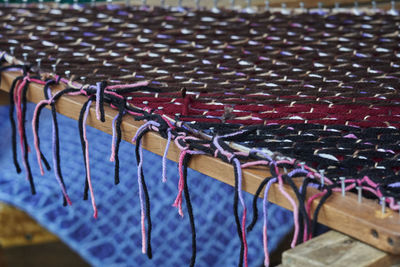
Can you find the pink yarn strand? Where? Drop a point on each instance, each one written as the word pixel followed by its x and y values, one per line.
pixel 181 183
pixel 18 98
pixel 87 161
pixel 294 206
pixel 112 157
pixel 36 137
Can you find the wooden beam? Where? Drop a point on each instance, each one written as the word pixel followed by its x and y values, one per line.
pixel 362 221
pixel 335 249
pixel 42 255
pixel 4 98
pixel 18 229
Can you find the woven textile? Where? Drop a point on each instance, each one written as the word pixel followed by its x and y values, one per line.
pixel 331 74
pixel 315 93
pixel 114 238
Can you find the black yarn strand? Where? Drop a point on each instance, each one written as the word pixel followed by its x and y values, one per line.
pixel 303 217
pixel 118 122
pixel 42 157
pixel 57 148
pixel 318 208
pixel 255 198
pixel 103 85
pixel 189 207
pixel 236 213
pixel 146 196
pixel 13 125
pixel 25 141
pixel 83 145
pixel 40 108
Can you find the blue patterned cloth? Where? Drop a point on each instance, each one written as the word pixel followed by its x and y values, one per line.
pixel 114 239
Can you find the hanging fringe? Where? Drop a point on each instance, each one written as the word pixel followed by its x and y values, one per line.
pixel 178 200
pixel 21 112
pixel 238 185
pixel 164 158
pixel 100 101
pixel 143 192
pixel 13 125
pixel 116 141
pixel 85 150
pixel 56 145
pixel 112 156
pixel 189 207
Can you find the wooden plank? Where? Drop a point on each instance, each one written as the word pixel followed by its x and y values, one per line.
pixel 335 249
pixel 4 98
pixel 18 229
pixel 42 255
pixel 362 221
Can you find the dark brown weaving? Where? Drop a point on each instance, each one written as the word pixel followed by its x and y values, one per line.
pixel 313 84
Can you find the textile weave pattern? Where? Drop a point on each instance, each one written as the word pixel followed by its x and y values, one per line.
pixel 312 93
pixel 321 87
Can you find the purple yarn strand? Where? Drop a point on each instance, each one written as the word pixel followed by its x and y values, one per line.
pixel 297 171
pixel 263 154
pixel 139 172
pixel 55 165
pixel 98 90
pixel 164 159
pixel 240 192
pixel 144 126
pixel 397 184
pixel 227 154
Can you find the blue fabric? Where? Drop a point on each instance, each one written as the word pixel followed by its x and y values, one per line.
pixel 114 239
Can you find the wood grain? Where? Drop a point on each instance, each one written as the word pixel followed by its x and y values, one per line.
pixel 335 249
pixel 42 255
pixel 18 229
pixel 362 221
pixel 4 100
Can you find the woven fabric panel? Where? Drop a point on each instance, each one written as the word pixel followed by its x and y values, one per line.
pixel 311 93
pixel 320 87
